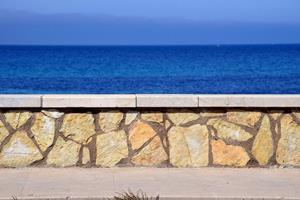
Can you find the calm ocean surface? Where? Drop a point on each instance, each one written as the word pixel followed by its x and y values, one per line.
pixel 244 69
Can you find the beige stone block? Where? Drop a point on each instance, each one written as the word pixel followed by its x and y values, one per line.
pixel 262 148
pixel 189 146
pixel 43 130
pixel 151 155
pixel 229 131
pixel 53 113
pixel 79 127
pixel 110 120
pixel 152 116
pixel 139 134
pixel 17 119
pixel 64 153
pixel 20 151
pixel 288 150
pixel 247 118
pixel 183 116
pixel 130 117
pixel 228 155
pixel 3 132
pixel 111 148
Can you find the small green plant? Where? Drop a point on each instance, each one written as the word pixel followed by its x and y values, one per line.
pixel 131 196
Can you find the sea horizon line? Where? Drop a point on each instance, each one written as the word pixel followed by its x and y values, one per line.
pixel 156 45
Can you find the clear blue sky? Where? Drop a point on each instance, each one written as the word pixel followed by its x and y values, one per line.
pixel 149 21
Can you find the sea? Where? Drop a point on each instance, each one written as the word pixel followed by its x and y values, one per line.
pixel 211 69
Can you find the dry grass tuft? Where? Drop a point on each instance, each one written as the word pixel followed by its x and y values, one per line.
pixel 125 196
pixel 131 196
pixel 14 198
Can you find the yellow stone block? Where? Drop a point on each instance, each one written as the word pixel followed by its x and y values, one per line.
pixel 288 150
pixel 130 117
pixel 140 133
pixel 189 146
pixel 152 117
pixel 183 116
pixel 53 113
pixel 228 155
pixel 17 119
pixel 248 118
pixel 78 126
pixel 20 151
pixel 229 131
pixel 110 120
pixel 151 155
pixel 43 130
pixel 64 153
pixel 262 148
pixel 111 148
pixel 3 132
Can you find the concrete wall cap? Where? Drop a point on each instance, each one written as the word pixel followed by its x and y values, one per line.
pixel 146 100
pixel 20 101
pixel 88 101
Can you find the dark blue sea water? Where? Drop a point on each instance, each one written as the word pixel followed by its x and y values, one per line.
pixel 242 69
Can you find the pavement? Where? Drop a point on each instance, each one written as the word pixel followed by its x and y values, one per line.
pixel 168 183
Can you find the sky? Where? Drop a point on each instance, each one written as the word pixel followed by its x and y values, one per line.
pixel 149 22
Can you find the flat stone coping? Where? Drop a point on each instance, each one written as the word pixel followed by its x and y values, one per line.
pixel 147 101
pixel 20 101
pixel 172 183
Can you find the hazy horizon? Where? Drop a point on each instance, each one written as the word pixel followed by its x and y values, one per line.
pixel 134 22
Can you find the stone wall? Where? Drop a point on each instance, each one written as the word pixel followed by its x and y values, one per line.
pixel 142 137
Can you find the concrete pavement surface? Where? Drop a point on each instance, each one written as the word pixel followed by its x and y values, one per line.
pixel 168 183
